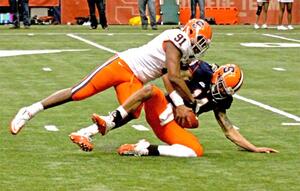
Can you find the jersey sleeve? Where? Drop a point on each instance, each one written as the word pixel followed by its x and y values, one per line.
pixel 226 103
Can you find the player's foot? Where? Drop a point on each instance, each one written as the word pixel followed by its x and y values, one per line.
pixel 84 142
pixel 256 26
pixel 20 120
pixel 104 123
pixel 264 26
pixel 290 27
pixel 281 27
pixel 138 149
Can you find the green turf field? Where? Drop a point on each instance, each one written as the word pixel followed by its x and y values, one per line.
pixel 37 159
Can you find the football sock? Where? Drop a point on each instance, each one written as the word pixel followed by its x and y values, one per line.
pixel 120 122
pixel 176 150
pixel 122 111
pixel 153 150
pixel 35 108
pixel 89 131
pixel 117 118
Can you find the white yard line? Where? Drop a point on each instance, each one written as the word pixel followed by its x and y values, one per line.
pixel 291 124
pixel 281 37
pixel 92 43
pixel 267 107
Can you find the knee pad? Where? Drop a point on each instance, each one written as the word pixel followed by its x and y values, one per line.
pixel 259 8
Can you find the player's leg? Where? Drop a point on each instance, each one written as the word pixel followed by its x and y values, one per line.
pixel 131 96
pixel 280 16
pixel 171 133
pixel 101 10
pixel 202 8
pixel 92 10
pixel 15 10
pixel 26 18
pixel 103 124
pixel 152 12
pixel 125 85
pixel 289 15
pixel 102 78
pixel 258 12
pixel 142 10
pixel 181 143
pixel 265 15
pixel 193 9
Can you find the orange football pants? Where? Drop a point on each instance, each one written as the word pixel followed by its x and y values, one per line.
pixel 170 133
pixel 113 73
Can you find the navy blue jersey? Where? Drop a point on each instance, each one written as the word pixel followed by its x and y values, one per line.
pixel 200 85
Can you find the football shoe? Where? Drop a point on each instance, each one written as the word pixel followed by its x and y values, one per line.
pixel 138 149
pixel 290 27
pixel 84 142
pixel 20 120
pixel 281 27
pixel 104 123
pixel 264 26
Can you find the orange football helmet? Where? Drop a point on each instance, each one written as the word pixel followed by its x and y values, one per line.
pixel 200 34
pixel 226 80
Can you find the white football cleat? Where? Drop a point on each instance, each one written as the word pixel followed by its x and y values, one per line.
pixel 256 26
pixel 264 26
pixel 290 27
pixel 104 123
pixel 20 120
pixel 138 149
pixel 281 27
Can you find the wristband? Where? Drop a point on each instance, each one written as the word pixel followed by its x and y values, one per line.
pixel 177 100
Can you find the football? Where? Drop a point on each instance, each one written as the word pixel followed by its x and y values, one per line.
pixel 191 122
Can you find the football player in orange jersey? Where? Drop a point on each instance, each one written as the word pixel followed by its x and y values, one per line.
pixel 211 87
pixel 128 71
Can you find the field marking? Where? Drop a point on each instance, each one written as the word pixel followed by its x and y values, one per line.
pixel 8 53
pixel 281 37
pixel 140 127
pixel 267 107
pixel 270 45
pixel 92 43
pixel 291 124
pixel 279 69
pixel 47 69
pixel 51 128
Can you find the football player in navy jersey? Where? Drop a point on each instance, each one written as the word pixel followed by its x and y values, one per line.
pixel 211 86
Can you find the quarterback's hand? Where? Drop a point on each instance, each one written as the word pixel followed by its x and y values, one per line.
pixel 265 150
pixel 181 113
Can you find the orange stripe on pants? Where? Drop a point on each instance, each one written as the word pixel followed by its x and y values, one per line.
pixel 170 133
pixel 114 73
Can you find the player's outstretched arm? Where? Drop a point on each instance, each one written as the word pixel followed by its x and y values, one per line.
pixel 173 56
pixel 233 135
